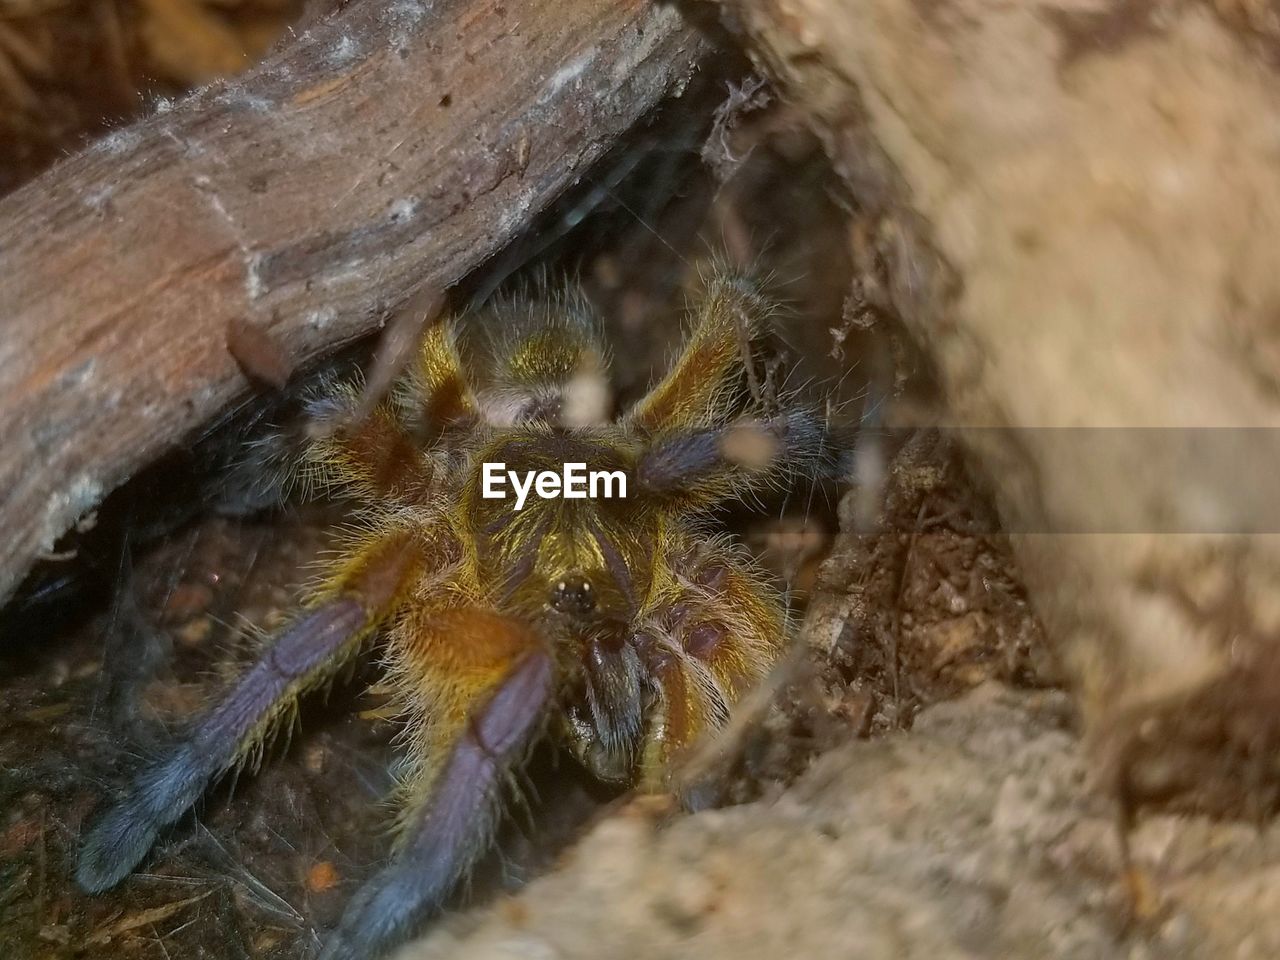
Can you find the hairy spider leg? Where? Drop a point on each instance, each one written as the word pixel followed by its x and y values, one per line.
pixel 479 686
pixel 363 593
pixel 710 633
pixel 373 459
pixel 699 467
pixel 387 456
pixel 534 347
pixel 436 393
pixel 706 380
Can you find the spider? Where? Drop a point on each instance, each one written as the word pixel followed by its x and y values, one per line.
pixel 624 629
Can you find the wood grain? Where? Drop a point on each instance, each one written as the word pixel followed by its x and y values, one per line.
pixel 392 146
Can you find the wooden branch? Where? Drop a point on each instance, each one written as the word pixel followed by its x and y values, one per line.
pixel 1078 210
pixel 395 145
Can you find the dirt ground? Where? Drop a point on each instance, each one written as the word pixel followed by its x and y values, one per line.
pixel 915 787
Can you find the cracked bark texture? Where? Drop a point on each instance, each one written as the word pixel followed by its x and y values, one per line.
pixel 1076 207
pixel 390 148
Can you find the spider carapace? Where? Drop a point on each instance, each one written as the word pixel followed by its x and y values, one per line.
pixel 620 627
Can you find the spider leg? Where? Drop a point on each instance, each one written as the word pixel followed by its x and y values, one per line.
pixel 538 344
pixel 359 597
pixel 480 684
pixel 704 465
pixel 438 393
pixel 707 377
pixel 711 633
pixel 373 458
pixel 386 454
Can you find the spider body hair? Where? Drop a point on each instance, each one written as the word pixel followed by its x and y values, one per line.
pixel 620 628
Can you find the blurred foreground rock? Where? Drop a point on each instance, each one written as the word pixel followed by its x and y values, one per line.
pixel 1074 207
pixel 969 837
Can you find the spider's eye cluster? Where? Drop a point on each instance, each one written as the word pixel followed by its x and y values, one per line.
pixel 573 595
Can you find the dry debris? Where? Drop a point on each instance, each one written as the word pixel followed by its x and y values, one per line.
pixel 71 68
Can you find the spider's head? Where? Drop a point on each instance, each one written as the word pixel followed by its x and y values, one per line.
pixel 563 544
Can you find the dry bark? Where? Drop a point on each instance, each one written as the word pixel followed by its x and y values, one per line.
pixel 1077 210
pixel 389 148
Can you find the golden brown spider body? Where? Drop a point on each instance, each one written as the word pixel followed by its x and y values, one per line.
pixel 614 624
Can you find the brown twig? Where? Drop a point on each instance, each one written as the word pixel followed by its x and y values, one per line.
pixel 401 335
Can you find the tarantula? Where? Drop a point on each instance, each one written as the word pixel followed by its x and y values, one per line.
pixel 621 628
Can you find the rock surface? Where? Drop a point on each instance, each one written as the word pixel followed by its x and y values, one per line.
pixel 1072 207
pixel 974 835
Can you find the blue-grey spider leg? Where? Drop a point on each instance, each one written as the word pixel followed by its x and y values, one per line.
pixel 454 827
pixel 798 443
pixel 163 792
